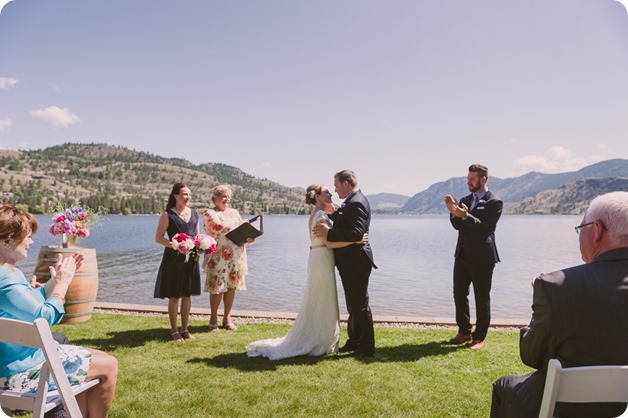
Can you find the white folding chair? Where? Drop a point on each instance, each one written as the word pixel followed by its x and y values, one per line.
pixel 38 335
pixel 583 384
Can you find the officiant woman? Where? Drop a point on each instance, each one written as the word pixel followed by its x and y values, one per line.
pixel 178 277
pixel 226 268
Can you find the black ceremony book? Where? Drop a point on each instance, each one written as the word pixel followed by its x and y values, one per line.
pixel 252 228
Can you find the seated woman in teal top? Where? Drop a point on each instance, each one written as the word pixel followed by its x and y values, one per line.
pixel 27 301
pixel 20 300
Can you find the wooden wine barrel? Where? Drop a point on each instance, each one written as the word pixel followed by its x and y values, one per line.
pixel 81 295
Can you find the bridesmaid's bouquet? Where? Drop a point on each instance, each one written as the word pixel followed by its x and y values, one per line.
pixel 193 247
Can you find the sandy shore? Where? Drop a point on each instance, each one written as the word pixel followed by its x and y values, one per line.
pixel 252 317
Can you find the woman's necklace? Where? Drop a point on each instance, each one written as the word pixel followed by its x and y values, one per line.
pixel 184 214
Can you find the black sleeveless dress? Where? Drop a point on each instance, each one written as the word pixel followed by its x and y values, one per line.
pixel 176 278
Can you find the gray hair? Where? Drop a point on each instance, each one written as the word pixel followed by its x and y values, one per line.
pixel 220 190
pixel 612 210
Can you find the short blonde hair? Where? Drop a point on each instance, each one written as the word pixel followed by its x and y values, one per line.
pixel 220 190
pixel 347 175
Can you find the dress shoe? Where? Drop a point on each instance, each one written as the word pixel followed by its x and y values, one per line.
pixel 460 338
pixel 347 348
pixel 475 345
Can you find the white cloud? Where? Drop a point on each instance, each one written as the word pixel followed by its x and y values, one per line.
pixel 57 117
pixel 2 3
pixel 5 123
pixel 265 164
pixel 6 82
pixel 554 160
pixel 624 3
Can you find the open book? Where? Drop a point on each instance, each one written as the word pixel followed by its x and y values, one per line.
pixel 252 228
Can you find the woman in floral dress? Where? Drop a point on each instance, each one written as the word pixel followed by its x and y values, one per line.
pixel 226 268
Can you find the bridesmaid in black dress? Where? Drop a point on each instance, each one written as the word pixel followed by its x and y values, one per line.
pixel 176 278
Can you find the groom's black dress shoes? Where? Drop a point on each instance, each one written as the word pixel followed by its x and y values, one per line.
pixel 347 348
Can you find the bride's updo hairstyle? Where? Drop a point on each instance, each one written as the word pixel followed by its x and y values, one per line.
pixel 311 192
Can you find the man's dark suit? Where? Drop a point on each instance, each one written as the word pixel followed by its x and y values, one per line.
pixel 476 255
pixel 580 317
pixel 355 262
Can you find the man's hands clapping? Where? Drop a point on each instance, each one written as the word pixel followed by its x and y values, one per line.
pixel 456 210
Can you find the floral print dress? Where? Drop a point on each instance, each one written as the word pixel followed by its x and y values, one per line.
pixel 226 267
pixel 20 366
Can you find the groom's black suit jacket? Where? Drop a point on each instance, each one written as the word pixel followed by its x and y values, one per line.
pixel 351 222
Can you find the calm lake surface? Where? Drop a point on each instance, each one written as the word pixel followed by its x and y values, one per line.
pixel 414 255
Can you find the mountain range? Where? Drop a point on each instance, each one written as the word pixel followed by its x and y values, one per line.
pixel 530 193
pixel 127 181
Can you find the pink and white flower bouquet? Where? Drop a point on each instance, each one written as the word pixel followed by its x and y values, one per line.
pixel 74 222
pixel 205 243
pixel 193 247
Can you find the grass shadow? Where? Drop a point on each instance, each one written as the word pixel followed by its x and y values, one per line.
pixel 132 338
pixel 413 352
pixel 242 362
pixel 126 339
pixel 401 353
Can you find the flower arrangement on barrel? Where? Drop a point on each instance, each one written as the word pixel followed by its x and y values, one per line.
pixel 73 223
pixel 193 246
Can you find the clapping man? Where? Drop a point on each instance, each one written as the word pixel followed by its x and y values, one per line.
pixel 475 218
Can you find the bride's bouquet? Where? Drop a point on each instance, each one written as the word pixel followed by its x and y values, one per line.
pixel 193 247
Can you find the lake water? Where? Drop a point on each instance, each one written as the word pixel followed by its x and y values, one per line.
pixel 414 255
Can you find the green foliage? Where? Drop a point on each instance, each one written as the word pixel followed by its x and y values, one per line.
pixel 130 182
pixel 415 373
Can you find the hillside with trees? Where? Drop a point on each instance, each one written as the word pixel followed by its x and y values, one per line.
pixel 126 181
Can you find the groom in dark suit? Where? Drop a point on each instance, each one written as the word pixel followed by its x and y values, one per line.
pixel 579 316
pixel 354 262
pixel 475 218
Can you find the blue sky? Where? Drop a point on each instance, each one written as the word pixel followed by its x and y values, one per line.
pixel 405 92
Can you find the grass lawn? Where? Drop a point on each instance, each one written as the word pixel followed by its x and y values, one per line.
pixel 414 373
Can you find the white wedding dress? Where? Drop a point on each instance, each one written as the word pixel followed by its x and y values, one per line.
pixel 316 331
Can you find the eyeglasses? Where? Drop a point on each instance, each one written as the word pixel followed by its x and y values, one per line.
pixel 579 227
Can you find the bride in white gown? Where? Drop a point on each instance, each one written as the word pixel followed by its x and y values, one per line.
pixel 316 331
